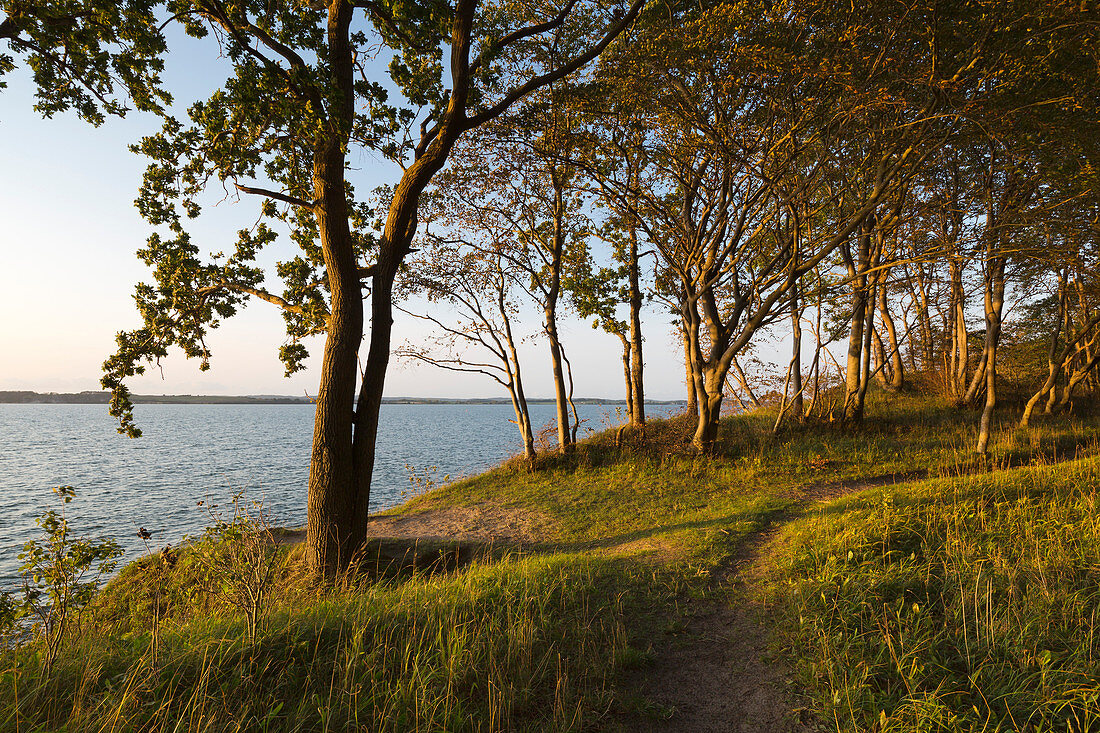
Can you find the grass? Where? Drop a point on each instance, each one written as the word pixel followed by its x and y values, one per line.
pixel 460 639
pixel 700 508
pixel 949 605
pixel 516 644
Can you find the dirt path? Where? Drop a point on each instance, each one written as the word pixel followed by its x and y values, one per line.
pixel 715 675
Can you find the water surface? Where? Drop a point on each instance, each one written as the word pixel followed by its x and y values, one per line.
pixel 190 453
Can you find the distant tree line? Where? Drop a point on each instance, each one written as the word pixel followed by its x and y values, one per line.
pixel 886 177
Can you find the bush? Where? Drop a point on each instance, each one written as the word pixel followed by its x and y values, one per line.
pixel 60 576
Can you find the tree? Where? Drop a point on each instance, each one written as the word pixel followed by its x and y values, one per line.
pixel 478 282
pixel 299 98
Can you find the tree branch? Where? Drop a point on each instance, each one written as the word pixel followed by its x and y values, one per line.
pixel 559 73
pixel 285 198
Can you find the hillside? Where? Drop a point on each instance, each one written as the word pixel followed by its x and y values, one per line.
pixel 870 578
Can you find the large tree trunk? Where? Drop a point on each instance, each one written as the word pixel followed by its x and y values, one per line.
pixel 336 505
pixel 707 391
pixel 342 462
pixel 710 411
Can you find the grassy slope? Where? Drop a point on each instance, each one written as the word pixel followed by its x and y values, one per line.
pixel 956 604
pixel 536 641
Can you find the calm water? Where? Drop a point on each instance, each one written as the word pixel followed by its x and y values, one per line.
pixel 208 452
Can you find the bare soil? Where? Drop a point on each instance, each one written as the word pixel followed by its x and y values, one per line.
pixel 482 523
pixel 479 524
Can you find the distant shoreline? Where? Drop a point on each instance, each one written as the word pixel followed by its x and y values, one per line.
pixel 26 397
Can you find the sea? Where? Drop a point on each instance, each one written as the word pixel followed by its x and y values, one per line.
pixel 192 457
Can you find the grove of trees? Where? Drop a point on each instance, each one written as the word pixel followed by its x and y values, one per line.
pixel 912 182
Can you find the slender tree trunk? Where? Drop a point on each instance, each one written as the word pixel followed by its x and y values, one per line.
pixel 994 305
pixel 976 381
pixel 629 379
pixel 550 325
pixel 1054 363
pixel 818 346
pixel 868 333
pixel 637 413
pixel 797 406
pixel 961 345
pixel 896 380
pixel 921 340
pixel 692 398
pixel 561 397
pixel 881 365
pixel 857 271
pixel 519 396
pixel 576 422
pixel 744 382
pixel 852 374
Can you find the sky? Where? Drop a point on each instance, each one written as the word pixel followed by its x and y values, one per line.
pixel 69 230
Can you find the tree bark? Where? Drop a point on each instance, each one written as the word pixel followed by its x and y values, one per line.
pixel 857 271
pixel 896 379
pixel 797 406
pixel 692 398
pixel 994 305
pixel 637 412
pixel 336 508
pixel 744 382
pixel 519 396
pixel 550 323
pixel 342 463
pixel 961 346
pixel 628 377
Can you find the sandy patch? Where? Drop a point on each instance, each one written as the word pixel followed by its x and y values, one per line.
pixel 478 522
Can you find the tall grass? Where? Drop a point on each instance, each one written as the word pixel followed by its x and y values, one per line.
pixel 956 604
pixel 521 644
pixel 964 603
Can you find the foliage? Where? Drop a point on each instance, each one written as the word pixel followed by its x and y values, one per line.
pixel 61 574
pixel 240 557
pixel 88 56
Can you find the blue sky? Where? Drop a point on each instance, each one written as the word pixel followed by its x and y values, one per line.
pixel 68 233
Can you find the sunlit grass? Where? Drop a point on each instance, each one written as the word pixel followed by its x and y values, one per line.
pixel 522 643
pixel 967 602
pixel 957 604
